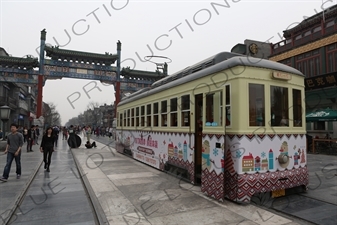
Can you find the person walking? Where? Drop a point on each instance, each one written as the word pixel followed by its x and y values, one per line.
pixel 25 134
pixel 47 147
pixel 88 133
pixel 13 151
pixel 31 137
pixel 56 132
pixel 37 134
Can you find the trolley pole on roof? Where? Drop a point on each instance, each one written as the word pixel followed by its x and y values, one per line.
pixel 118 70
pixel 41 73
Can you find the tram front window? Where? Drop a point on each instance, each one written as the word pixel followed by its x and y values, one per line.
pixel 279 106
pixel 256 105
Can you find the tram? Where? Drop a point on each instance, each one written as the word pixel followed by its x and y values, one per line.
pixel 232 124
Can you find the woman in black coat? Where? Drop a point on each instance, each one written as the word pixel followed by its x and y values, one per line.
pixel 47 147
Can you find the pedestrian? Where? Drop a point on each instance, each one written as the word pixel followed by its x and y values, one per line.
pixel 31 137
pixel 88 133
pixel 25 134
pixel 47 147
pixel 90 145
pixel 56 132
pixel 13 151
pixel 37 134
pixel 72 137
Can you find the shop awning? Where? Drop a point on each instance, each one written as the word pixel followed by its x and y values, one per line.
pixel 322 115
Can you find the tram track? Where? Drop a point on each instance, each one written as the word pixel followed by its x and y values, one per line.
pixel 290 206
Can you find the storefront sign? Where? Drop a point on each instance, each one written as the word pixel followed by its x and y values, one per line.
pixel 323 81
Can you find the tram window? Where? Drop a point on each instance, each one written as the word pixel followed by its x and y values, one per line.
pixel 228 106
pixel 148 113
pixel 214 109
pixel 164 113
pixel 128 118
pixel 137 117
pixel 120 119
pixel 256 105
pixel 124 118
pixel 132 117
pixel 142 116
pixel 297 108
pixel 279 106
pixel 155 114
pixel 185 110
pixel 173 112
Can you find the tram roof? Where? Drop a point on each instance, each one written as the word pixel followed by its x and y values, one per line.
pixel 224 65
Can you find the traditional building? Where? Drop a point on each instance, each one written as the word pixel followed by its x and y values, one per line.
pixel 18 96
pixel 310 47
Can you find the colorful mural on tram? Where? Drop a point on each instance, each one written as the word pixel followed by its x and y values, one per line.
pixel 234 125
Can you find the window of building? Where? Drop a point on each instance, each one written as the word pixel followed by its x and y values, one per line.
pixel 148 113
pixel 256 105
pixel 228 105
pixel 319 125
pixel 331 58
pixel 330 23
pixel 132 117
pixel 317 29
pixel 155 114
pixel 309 63
pixel 279 106
pixel 164 113
pixel 142 116
pixel 137 116
pixel 307 33
pixel 298 37
pixel 214 109
pixel 128 118
pixel 174 112
pixel 185 110
pixel 297 108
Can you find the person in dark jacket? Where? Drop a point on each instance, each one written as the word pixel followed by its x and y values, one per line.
pixel 90 145
pixel 47 147
pixel 30 138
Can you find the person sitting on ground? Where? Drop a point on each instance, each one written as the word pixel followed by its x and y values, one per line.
pixel 90 145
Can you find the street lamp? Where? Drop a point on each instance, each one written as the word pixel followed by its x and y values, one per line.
pixel 5 112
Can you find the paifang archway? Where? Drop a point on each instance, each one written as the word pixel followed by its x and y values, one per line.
pixel 64 63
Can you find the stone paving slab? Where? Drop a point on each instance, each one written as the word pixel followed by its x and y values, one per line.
pixel 12 191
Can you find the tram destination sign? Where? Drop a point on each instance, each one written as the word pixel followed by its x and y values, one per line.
pixel 322 81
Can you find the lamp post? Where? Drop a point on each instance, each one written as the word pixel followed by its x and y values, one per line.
pixel 5 112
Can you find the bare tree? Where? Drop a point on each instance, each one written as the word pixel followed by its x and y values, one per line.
pixel 93 117
pixel 51 115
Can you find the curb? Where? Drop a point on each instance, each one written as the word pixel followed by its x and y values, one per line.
pixel 100 214
pixel 22 194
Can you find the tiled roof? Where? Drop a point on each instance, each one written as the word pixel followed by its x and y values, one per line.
pixel 65 54
pixel 311 21
pixel 19 62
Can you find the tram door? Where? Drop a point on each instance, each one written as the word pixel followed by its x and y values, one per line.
pixel 198 137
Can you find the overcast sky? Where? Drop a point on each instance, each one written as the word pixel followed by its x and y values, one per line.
pixel 186 31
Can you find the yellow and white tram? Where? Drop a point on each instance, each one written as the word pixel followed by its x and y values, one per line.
pixel 232 123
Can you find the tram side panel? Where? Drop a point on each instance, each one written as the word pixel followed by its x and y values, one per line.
pixel 264 163
pixel 158 149
pixel 213 165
